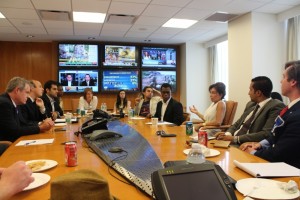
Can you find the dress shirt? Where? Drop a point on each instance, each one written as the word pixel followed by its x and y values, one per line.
pixel 163 108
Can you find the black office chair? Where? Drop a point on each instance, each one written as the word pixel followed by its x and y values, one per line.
pixel 3 146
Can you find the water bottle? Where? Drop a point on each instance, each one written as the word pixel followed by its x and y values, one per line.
pixel 195 156
pixel 104 107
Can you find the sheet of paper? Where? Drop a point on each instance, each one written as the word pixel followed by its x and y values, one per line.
pixel 277 169
pixel 137 117
pixel 35 142
pixel 60 120
pixel 160 123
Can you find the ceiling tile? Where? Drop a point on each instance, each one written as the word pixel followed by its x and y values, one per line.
pixel 160 11
pixel 60 31
pixel 8 30
pixel 137 34
pixel 287 2
pixel 164 30
pixel 5 22
pixel 126 8
pixel 16 13
pixel 160 36
pixel 16 4
pixel 242 6
pixel 213 5
pixel 62 5
pixel 143 29
pixel 151 21
pixel 112 33
pixel 195 14
pixel 273 8
pixel 90 5
pixel 26 23
pixel 58 24
pixel 118 27
pixel 32 30
pixel 176 3
pixel 134 1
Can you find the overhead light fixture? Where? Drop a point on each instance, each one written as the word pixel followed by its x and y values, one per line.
pixel 91 38
pixel 30 36
pixel 179 23
pixel 1 15
pixel 88 17
pixel 222 17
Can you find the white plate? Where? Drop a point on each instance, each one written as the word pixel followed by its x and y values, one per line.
pixel 39 180
pixel 60 124
pixel 263 189
pixel 212 152
pixel 49 164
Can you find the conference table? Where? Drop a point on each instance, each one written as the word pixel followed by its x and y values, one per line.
pixel 167 149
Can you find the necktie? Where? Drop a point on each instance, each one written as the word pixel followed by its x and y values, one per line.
pixel 247 123
pixel 283 111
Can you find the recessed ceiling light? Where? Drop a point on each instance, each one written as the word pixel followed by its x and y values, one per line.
pixel 88 17
pixel 30 36
pixel 91 38
pixel 1 15
pixel 179 23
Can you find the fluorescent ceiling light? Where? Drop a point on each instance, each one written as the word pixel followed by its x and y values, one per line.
pixel 1 15
pixel 88 17
pixel 179 23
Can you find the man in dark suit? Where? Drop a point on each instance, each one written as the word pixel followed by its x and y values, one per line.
pixel 261 111
pixel 49 97
pixel 69 81
pixel 169 109
pixel 34 110
pixel 12 124
pixel 88 81
pixel 284 143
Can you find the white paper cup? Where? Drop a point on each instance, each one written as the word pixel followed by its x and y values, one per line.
pixel 154 121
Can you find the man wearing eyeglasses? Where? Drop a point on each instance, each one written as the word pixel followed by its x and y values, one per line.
pixel 169 110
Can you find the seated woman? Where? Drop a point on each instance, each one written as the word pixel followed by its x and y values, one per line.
pixel 121 102
pixel 88 101
pixel 215 113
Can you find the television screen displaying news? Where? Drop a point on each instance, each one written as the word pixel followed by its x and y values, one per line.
pixel 78 80
pixel 115 80
pixel 78 55
pixel 159 57
pixel 155 78
pixel 117 55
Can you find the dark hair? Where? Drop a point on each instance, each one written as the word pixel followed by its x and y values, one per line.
pixel 276 95
pixel 49 84
pixel 166 85
pixel 146 87
pixel 263 84
pixel 118 103
pixel 220 87
pixel 85 91
pixel 293 71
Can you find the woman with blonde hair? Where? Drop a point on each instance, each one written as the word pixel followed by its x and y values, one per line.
pixel 88 101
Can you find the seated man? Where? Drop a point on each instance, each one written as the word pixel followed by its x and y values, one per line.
pixel 257 120
pixel 146 107
pixel 12 124
pixel 283 145
pixel 49 97
pixel 169 109
pixel 34 110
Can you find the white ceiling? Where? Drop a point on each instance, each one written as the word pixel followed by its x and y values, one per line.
pixel 22 19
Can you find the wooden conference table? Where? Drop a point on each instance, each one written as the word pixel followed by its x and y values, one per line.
pixel 170 148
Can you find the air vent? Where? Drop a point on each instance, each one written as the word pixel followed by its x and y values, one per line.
pixel 221 17
pixel 120 19
pixel 55 15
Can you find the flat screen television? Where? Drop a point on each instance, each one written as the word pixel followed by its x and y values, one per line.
pixel 78 55
pixel 158 57
pixel 155 78
pixel 115 80
pixel 78 80
pixel 120 56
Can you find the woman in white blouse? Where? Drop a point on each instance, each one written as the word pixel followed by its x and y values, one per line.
pixel 88 101
pixel 215 113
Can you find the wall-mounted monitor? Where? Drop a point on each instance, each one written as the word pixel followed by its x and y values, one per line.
pixel 78 55
pixel 78 80
pixel 155 78
pixel 115 80
pixel 158 57
pixel 120 56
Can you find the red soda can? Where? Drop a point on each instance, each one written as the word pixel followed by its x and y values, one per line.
pixel 70 154
pixel 202 137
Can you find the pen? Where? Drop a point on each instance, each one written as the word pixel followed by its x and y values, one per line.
pixel 27 143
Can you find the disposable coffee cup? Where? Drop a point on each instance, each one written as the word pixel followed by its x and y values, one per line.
pixel 154 121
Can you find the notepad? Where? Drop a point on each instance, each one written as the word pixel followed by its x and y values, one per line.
pixel 276 169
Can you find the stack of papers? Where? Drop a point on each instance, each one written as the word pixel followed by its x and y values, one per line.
pixel 278 169
pixel 35 142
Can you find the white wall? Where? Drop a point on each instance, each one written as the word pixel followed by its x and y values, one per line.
pixel 255 49
pixel 194 76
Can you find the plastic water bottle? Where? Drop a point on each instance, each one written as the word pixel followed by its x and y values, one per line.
pixel 195 155
pixel 104 107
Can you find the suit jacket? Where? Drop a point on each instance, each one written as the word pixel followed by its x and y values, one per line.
pixel 48 106
pixel 173 113
pixel 31 112
pixel 65 83
pixel 285 140
pixel 12 125
pixel 84 83
pixel 262 123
